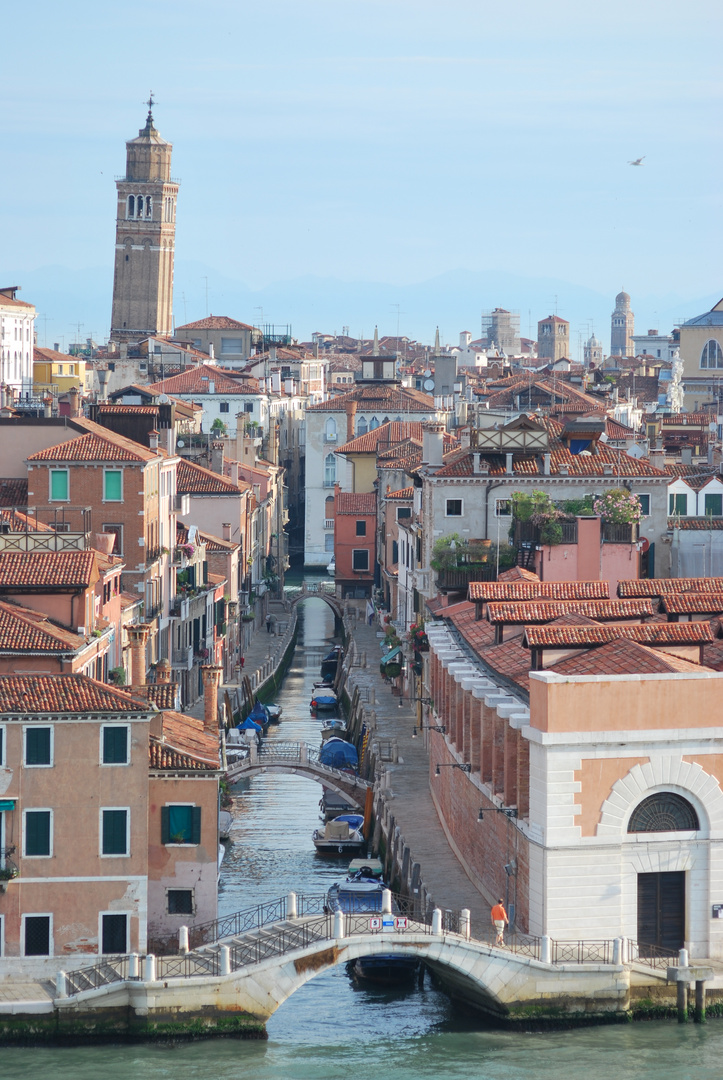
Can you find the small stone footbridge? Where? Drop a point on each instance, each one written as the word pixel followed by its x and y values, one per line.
pixel 249 963
pixel 322 590
pixel 303 760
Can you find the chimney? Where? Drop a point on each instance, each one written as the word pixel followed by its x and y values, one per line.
pixel 508 464
pixel 138 635
pixel 351 407
pixel 103 376
pixel 153 440
pixel 235 474
pixel 56 346
pixel 546 464
pixel 163 671
pixel 686 455
pixel 475 462
pixel 211 676
pixel 211 352
pixel 226 527
pixel 432 444
pixel 217 456
pixel 74 397
pixel 105 542
pixel 211 386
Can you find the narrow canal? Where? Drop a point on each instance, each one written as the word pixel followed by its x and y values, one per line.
pixel 332 1029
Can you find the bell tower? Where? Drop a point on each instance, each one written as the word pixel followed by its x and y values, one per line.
pixel 144 239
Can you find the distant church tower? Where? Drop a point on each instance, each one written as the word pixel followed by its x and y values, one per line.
pixel 592 352
pixel 144 239
pixel 622 327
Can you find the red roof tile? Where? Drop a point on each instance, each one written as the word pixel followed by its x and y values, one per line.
pixel 386 436
pixel 185 745
pixel 538 590
pixel 517 573
pixel 543 611
pixel 349 502
pixel 696 524
pixel 629 588
pixel 561 637
pixel 622 657
pixel 192 479
pixel 13 492
pixel 49 569
pixel 26 694
pixel 371 397
pixel 691 603
pixel 405 493
pixel 197 380
pixel 90 448
pixel 24 630
pixel 213 322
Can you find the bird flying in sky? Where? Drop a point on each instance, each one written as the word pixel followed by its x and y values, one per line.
pixel 638 161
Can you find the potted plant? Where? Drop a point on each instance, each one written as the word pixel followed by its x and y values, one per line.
pixel 418 636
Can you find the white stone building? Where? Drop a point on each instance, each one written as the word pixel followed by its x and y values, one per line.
pixel 17 337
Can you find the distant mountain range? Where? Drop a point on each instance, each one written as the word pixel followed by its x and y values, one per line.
pixel 69 301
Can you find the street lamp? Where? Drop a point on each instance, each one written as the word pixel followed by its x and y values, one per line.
pixel 510 812
pixel 466 767
pixel 439 728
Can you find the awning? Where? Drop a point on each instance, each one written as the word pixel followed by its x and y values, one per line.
pixel 390 655
pixel 7 804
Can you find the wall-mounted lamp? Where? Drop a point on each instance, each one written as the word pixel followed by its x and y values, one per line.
pixel 426 701
pixel 439 728
pixel 453 765
pixel 508 811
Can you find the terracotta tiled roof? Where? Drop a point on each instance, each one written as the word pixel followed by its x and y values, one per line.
pixel 405 493
pixel 135 410
pixel 561 637
pixel 691 603
pixel 213 322
pixel 163 695
pixel 192 479
pixel 517 573
pixel 386 436
pixel 372 397
pixel 129 600
pixel 8 301
pixel 185 745
pixel 49 569
pixel 538 590
pixel 13 492
pixel 543 611
pixel 197 380
pixel 349 502
pixel 215 543
pixel 24 630
pixel 696 524
pixel 16 521
pixel 92 447
pixel 25 694
pixel 630 588
pixel 622 657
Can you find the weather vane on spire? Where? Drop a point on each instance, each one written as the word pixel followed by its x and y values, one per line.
pixel 150 103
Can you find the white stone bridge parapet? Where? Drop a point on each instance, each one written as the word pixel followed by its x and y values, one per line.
pixel 303 760
pixel 259 958
pixel 324 590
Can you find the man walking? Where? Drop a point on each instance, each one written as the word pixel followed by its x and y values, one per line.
pixel 268 624
pixel 499 921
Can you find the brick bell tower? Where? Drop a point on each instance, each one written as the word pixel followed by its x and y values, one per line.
pixel 145 239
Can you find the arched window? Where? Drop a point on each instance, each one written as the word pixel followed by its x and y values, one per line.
pixel 331 429
pixel 139 206
pixel 663 812
pixel 397 420
pixel 373 423
pixel 131 208
pixel 330 470
pixel 385 420
pixel 149 206
pixel 361 426
pixel 712 355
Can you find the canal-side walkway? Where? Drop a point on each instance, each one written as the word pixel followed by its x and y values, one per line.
pixel 406 792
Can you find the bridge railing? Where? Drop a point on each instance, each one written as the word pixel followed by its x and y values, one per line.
pixel 240 922
pixel 91 978
pixel 651 955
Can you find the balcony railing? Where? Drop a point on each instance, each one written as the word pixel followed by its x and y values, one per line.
pixel 619 534
pixel 449 580
pixel 182 659
pixel 153 611
pixel 527 533
pixel 328 523
pixel 8 867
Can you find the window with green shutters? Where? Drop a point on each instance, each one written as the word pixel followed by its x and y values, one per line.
pixel 678 504
pixel 38 746
pixel 114 840
pixel 59 485
pixel 115 745
pixel 113 485
pixel 714 505
pixel 37 832
pixel 180 824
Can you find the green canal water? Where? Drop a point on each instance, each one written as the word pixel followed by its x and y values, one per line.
pixel 333 1029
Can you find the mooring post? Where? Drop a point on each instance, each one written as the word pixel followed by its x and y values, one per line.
pixel 183 939
pixel 134 967
pixel 699 1014
pixel 464 923
pixel 437 922
pixel 224 960
pixel 338 924
pixel 149 975
pixel 291 910
pixel 61 987
pixel 624 952
pixel 682 995
pixel 303 754
pixel 545 949
pixel 617 951
pixel 386 902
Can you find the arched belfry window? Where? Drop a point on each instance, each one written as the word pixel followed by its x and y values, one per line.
pixel 149 206
pixel 712 355
pixel 139 206
pixel 361 426
pixel 131 209
pixel 373 423
pixel 663 812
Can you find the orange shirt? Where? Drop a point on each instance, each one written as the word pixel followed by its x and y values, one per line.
pixel 498 912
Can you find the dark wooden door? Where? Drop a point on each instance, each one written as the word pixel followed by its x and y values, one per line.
pixel 661 910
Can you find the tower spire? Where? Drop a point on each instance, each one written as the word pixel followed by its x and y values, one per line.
pixel 436 343
pixel 375 350
pixel 150 103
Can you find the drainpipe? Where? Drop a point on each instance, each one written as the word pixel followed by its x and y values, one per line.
pixel 488 488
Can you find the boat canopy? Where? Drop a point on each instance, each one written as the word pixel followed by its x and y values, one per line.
pixel 339 754
pixel 249 725
pixel 391 655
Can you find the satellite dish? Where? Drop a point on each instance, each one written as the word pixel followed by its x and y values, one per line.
pixel 428 374
pixel 163 399
pixel 429 384
pixel 180 442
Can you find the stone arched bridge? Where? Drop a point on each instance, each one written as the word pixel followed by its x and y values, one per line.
pixel 260 957
pixel 302 760
pixel 323 590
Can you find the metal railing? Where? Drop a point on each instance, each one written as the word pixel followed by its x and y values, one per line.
pixel 651 955
pixel 240 922
pixel 619 534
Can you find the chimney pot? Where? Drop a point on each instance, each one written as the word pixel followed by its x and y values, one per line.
pixel 226 527
pixel 211 676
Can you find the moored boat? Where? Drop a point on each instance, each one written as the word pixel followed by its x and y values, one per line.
pixel 333 729
pixel 324 699
pixel 360 894
pixel 342 836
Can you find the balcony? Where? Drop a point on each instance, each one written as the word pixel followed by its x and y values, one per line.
pixel 153 611
pixel 182 659
pixel 459 579
pixel 619 534
pixel 46 528
pixel 8 868
pixel 328 523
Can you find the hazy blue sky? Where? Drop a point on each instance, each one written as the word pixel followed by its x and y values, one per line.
pixel 376 141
